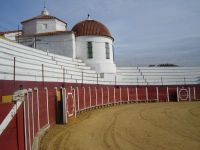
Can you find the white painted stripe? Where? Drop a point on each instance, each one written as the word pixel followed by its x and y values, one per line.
pixel 84 97
pixel 128 94
pixel 157 94
pixel 68 114
pixel 177 94
pixel 25 132
pixel 136 92
pixel 32 115
pixel 120 94
pixel 101 96
pixel 74 101
pixel 38 108
pixel 108 95
pixel 29 130
pixel 96 94
pixel 47 101
pixel 114 96
pixel 90 96
pixel 168 94
pixel 147 97
pixel 78 98
pixel 9 117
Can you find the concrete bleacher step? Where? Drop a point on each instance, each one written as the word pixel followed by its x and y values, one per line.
pixel 26 58
pixel 72 62
pixel 127 71
pixel 18 48
pixel 169 68
pixel 127 68
pixel 171 72
pixel 129 74
pixel 168 71
pixel 72 66
pixel 29 67
pixel 38 57
pixel 65 58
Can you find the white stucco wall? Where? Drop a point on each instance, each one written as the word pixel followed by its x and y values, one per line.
pixel 51 25
pixel 38 26
pixel 99 61
pixel 60 26
pixel 29 27
pixel 62 44
pixel 12 36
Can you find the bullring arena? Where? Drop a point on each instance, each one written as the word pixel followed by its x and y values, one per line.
pixel 73 96
pixel 143 126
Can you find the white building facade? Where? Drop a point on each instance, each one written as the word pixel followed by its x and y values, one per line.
pixel 89 40
pixel 94 45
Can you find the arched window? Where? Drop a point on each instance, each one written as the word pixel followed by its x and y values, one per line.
pixel 107 50
pixel 89 46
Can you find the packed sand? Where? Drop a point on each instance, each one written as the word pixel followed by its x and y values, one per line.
pixel 152 126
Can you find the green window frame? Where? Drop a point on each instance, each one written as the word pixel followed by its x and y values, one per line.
pixel 90 51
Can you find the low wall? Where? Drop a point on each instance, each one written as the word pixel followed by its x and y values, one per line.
pixel 43 102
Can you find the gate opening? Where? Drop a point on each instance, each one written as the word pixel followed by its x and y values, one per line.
pixel 59 107
pixel 173 97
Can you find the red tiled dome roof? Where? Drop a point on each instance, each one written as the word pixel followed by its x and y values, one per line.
pixel 91 27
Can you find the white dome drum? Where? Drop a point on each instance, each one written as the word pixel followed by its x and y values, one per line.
pixel 94 45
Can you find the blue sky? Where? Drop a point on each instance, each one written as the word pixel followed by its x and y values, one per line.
pixel 145 31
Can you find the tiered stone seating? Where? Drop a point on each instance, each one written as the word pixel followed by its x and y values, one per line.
pixel 29 65
pixel 29 61
pixel 129 76
pixel 170 75
pixel 158 75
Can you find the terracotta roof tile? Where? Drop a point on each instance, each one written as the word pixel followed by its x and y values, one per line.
pixel 91 27
pixel 49 33
pixel 42 17
pixel 6 32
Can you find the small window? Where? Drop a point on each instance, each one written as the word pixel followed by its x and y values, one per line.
pixel 44 26
pixel 107 50
pixel 90 53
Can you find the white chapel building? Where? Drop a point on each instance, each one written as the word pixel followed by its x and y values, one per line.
pixel 89 40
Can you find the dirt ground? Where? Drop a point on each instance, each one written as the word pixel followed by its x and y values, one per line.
pixel 152 126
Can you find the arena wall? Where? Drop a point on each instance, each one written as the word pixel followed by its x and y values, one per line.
pixel 38 110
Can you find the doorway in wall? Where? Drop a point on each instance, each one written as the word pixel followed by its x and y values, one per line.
pixel 59 107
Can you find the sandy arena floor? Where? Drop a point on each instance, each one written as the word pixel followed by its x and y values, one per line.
pixel 153 126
